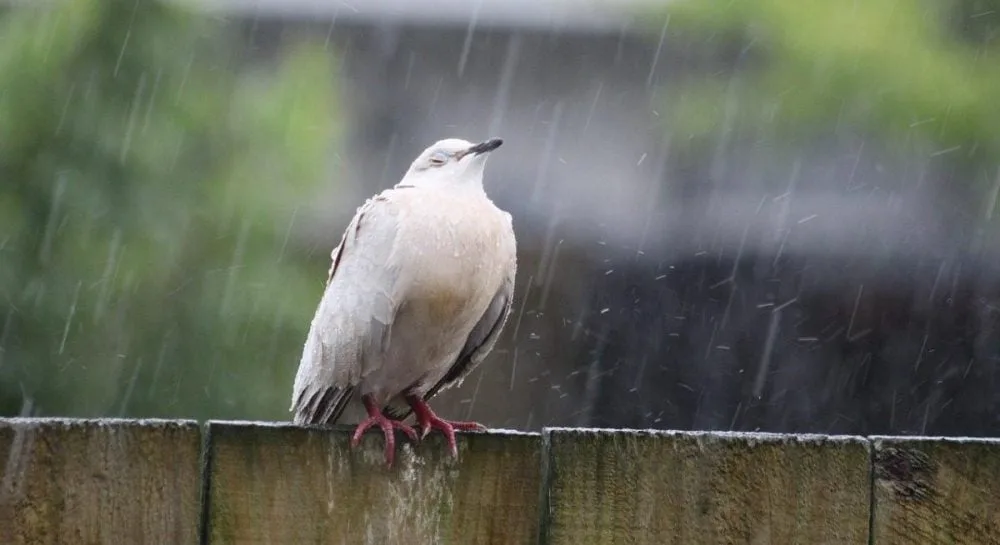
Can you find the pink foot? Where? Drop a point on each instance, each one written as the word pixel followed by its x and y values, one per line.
pixel 376 418
pixel 428 420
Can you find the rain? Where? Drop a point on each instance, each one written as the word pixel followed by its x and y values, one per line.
pixel 729 217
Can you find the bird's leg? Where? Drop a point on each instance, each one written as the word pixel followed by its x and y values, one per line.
pixel 428 420
pixel 376 418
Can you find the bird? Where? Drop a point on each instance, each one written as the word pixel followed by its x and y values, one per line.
pixel 417 294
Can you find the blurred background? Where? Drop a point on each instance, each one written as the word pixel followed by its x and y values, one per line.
pixel 762 215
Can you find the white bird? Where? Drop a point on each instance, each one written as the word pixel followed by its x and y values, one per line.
pixel 420 287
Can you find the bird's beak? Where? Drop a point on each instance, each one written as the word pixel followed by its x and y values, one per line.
pixel 483 147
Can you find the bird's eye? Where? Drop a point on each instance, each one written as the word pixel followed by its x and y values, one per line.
pixel 439 158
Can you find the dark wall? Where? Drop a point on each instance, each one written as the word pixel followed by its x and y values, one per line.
pixel 895 344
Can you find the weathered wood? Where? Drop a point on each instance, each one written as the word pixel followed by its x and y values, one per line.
pixel 609 487
pixel 936 490
pixel 116 481
pixel 99 481
pixel 287 484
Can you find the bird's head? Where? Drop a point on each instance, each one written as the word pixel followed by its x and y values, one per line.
pixel 451 161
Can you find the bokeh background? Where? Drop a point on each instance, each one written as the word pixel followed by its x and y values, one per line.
pixel 762 215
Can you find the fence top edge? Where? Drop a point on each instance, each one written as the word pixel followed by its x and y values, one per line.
pixel 67 422
pixel 63 422
pixel 344 428
pixel 957 440
pixel 711 434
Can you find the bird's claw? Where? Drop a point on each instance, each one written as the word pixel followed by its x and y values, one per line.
pixel 448 428
pixel 429 421
pixel 388 426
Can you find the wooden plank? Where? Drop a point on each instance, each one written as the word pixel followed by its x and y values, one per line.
pixel 99 481
pixel 279 483
pixel 936 490
pixel 637 487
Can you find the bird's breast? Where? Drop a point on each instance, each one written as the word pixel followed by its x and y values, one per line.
pixel 460 264
pixel 442 304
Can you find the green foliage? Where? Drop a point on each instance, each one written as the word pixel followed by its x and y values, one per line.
pixel 146 196
pixel 918 75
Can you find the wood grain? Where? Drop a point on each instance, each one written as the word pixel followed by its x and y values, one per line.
pixel 289 484
pixel 932 491
pixel 608 487
pixel 90 481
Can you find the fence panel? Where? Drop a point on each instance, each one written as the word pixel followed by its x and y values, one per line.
pixel 931 491
pixel 608 487
pixel 286 484
pixel 99 481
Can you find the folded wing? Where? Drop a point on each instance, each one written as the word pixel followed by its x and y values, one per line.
pixel 350 330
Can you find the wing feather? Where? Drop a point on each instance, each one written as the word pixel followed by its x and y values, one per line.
pixel 351 326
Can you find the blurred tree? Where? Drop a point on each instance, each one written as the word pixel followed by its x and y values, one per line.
pixel 917 76
pixel 146 201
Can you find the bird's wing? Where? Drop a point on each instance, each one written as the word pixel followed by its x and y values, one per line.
pixel 477 346
pixel 350 330
pixel 481 339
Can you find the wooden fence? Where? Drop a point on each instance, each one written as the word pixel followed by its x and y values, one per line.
pixel 137 482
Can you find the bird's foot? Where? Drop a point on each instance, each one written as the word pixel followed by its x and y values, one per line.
pixel 428 421
pixel 388 425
